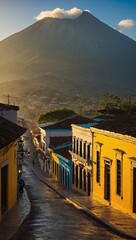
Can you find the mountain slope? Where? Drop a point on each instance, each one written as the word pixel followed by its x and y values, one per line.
pixel 83 52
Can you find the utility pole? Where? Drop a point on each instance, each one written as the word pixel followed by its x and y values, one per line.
pixel 8 98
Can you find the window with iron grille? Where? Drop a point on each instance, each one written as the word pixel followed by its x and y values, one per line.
pixel 118 182
pixel 98 166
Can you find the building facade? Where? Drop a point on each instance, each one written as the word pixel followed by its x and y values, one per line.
pixel 60 130
pixel 81 159
pixel 60 161
pixel 82 155
pixel 114 164
pixel 9 133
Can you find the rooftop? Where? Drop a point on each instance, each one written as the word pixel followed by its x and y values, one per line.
pixel 61 146
pixel 125 125
pixel 9 132
pixel 66 123
pixel 4 106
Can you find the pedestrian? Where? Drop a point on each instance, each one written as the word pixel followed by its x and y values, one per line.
pixel 21 185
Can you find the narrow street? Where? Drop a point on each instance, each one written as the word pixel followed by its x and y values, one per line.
pixel 52 217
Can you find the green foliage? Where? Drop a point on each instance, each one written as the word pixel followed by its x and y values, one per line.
pixel 55 115
pixel 114 104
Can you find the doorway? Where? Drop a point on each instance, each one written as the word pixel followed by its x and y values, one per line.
pixel 4 189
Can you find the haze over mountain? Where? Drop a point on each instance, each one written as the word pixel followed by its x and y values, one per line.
pixel 83 52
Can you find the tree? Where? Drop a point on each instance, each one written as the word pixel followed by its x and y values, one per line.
pixel 113 104
pixel 110 101
pixel 55 115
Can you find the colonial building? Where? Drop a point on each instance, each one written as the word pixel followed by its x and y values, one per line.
pixel 114 163
pixel 60 130
pixel 60 161
pixel 82 157
pixel 38 137
pixel 9 133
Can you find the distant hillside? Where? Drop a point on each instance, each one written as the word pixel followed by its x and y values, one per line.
pixel 83 53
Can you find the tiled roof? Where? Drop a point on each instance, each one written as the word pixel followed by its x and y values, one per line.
pixel 57 141
pixel 124 125
pixel 61 145
pixel 66 123
pixel 4 106
pixel 64 152
pixel 9 132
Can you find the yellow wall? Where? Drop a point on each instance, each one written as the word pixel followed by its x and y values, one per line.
pixel 8 157
pixel 107 149
pixel 54 159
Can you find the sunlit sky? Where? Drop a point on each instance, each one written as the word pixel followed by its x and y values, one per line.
pixel 15 15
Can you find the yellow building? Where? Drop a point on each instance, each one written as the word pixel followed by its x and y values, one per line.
pixel 9 133
pixel 54 165
pixel 114 164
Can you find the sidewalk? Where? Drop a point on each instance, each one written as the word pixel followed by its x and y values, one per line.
pixel 11 222
pixel 116 221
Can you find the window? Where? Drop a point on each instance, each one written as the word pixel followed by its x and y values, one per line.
pixel 57 170
pixel 80 178
pixel 80 148
pixel 53 166
pixel 76 176
pixel 84 180
pixel 98 166
pixel 77 147
pixel 118 187
pixel 73 177
pixel 88 152
pixel 84 149
pixel 74 147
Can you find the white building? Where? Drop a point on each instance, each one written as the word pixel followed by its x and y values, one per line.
pixel 82 158
pixel 9 112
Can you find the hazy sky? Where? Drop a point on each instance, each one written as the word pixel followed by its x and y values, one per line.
pixel 16 15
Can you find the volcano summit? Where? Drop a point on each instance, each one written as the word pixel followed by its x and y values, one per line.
pixel 84 53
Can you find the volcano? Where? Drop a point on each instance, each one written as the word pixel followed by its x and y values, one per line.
pixel 83 53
